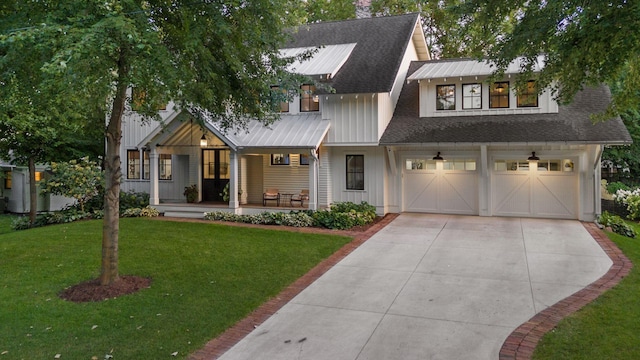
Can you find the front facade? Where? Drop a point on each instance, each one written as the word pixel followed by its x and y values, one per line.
pixel 379 136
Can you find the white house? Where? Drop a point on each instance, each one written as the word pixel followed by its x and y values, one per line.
pixel 399 131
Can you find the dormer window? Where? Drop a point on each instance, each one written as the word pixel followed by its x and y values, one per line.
pixel 472 96
pixel 445 97
pixel 499 95
pixel 309 101
pixel 529 96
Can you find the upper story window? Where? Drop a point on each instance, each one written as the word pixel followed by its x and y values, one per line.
pixel 445 97
pixel 309 101
pixel 284 105
pixel 472 96
pixel 529 96
pixel 499 95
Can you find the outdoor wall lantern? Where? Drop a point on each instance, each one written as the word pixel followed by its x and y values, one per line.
pixel 438 157
pixel 203 141
pixel 533 157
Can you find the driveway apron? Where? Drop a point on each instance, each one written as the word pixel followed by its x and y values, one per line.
pixel 431 287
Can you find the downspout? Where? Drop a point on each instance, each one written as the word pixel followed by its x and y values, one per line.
pixel 596 185
pixel 314 154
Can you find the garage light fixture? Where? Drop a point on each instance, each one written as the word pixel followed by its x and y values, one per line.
pixel 203 141
pixel 438 157
pixel 533 157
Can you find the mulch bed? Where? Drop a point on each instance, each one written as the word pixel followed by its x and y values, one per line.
pixel 92 290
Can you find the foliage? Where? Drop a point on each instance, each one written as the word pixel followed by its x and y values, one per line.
pixel 225 193
pixel 617 224
pixel 133 199
pixel 614 186
pixel 312 11
pixel 205 278
pixel 191 192
pixel 148 211
pixel 79 179
pixel 295 219
pixel 626 158
pixel 583 43
pixel 608 327
pixel 345 215
pixel 630 198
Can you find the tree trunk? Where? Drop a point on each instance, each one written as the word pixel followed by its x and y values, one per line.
pixel 33 193
pixel 113 173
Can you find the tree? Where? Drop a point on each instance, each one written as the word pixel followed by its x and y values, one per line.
pixel 216 58
pixel 79 179
pixel 327 10
pixel 583 42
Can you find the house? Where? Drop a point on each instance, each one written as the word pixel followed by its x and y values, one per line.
pixel 14 190
pixel 399 131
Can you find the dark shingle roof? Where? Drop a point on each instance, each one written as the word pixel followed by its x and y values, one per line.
pixel 374 62
pixel 571 124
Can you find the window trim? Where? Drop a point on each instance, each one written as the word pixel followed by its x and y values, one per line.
pixel 284 156
pixel 464 96
pixel 165 157
pixel 529 93
pixel 495 94
pixel 308 95
pixel 355 171
pixel 303 156
pixel 129 158
pixel 452 96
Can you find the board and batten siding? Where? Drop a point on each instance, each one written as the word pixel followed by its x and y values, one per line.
pixel 374 169
pixel 325 188
pixel 354 118
pixel 290 178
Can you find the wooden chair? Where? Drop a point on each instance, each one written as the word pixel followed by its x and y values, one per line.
pixel 304 195
pixel 271 194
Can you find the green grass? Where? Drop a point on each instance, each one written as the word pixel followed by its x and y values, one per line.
pixel 5 223
pixel 609 327
pixel 206 277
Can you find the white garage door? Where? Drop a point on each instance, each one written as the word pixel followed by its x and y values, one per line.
pixel 546 190
pixel 440 187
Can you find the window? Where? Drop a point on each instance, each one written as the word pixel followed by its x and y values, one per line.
pixel 420 164
pixel 279 159
pixel 133 164
pixel 164 166
pixel 460 164
pixel 38 176
pixel 499 95
pixel 472 96
pixel 284 105
pixel 528 97
pixel 445 97
pixel 145 165
pixel 304 159
pixel 355 172
pixel 7 179
pixel 308 100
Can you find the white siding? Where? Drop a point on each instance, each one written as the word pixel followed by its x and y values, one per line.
pixel 354 118
pixel 546 104
pixel 374 169
pixel 286 178
pixel 325 188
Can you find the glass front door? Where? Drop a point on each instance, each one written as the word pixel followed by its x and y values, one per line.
pixel 215 173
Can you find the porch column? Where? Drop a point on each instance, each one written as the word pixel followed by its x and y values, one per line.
pixel 483 183
pixel 154 197
pixel 233 179
pixel 313 180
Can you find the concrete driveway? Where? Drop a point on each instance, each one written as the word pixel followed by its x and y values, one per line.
pixel 432 287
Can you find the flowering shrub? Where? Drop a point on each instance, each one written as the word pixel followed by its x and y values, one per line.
pixel 296 219
pixel 79 179
pixel 630 198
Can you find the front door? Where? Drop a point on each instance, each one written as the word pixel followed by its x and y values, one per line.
pixel 215 173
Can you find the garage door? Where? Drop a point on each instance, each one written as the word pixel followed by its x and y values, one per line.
pixel 440 187
pixel 546 190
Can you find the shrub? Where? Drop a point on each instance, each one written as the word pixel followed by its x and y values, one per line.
pixel 345 215
pixel 617 224
pixel 613 187
pixel 297 219
pixel 630 198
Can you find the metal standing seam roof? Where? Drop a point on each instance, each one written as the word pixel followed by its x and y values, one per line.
pixel 467 67
pixel 327 60
pixel 304 131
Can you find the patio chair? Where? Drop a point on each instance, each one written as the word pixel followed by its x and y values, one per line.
pixel 304 195
pixel 271 194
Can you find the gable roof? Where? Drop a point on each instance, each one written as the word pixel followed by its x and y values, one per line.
pixel 467 67
pixel 571 124
pixel 373 64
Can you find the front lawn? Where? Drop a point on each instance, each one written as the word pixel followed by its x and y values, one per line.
pixel 205 277
pixel 609 327
pixel 5 223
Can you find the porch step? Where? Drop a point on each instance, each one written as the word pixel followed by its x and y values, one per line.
pixel 187 211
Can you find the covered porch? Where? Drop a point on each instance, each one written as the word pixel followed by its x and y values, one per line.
pixel 283 156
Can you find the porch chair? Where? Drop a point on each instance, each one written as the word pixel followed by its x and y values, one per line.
pixel 271 194
pixel 304 195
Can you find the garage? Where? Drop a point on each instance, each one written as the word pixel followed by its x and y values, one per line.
pixel 437 186
pixel 538 188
